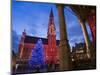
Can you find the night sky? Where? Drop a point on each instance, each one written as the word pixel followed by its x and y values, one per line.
pixel 34 18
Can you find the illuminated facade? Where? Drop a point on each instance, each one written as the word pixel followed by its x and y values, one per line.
pixel 79 52
pixel 50 44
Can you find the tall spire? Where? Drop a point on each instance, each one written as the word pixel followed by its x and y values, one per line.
pixel 51 26
pixel 51 18
pixel 51 13
pixel 51 35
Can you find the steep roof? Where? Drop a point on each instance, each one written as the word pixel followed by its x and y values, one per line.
pixel 32 39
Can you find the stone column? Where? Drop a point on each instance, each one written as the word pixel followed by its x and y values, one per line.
pixel 86 37
pixel 64 53
pixel 82 16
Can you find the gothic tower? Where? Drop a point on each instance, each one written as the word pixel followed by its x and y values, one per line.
pixel 21 45
pixel 51 35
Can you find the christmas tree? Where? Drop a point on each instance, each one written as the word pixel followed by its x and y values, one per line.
pixel 37 58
